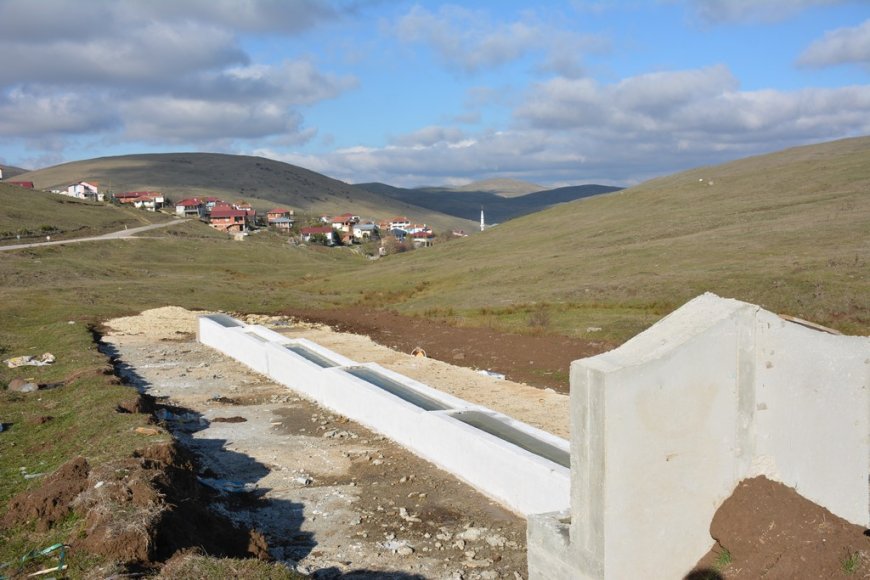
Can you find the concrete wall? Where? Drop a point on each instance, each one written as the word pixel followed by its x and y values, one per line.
pixel 522 480
pixel 664 427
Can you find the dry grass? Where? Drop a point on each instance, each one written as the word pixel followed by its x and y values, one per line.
pixel 788 231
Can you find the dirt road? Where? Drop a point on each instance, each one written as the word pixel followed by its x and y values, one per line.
pixel 128 233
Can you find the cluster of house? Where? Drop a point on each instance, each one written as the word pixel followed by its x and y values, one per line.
pixel 240 217
pixel 348 228
pixel 230 217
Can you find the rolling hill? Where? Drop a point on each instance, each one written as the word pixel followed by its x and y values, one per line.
pixel 465 203
pixel 10 172
pixel 263 182
pixel 788 230
pixel 501 187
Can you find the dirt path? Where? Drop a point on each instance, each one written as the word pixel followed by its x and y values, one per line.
pixel 120 234
pixel 331 497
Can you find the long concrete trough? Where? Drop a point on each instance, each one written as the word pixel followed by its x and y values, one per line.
pixel 524 468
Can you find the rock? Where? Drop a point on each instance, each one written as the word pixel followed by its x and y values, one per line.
pixel 22 386
pixel 489 575
pixel 148 431
pixel 496 541
pixel 471 534
pixel 405 551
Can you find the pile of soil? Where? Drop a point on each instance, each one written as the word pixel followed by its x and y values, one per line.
pixel 767 530
pixel 538 360
pixel 52 501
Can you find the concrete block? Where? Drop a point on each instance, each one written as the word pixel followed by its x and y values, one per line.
pixel 524 468
pixel 666 426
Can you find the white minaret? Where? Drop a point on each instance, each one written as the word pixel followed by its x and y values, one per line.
pixel 482 222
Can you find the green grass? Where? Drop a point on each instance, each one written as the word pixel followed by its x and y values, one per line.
pixel 723 559
pixel 34 214
pixel 850 562
pixel 196 567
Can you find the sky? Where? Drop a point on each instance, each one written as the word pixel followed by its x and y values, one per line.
pixel 420 93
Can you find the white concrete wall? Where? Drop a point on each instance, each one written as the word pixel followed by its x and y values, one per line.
pixel 811 415
pixel 664 427
pixel 522 481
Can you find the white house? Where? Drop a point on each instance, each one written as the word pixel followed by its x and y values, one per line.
pixel 84 190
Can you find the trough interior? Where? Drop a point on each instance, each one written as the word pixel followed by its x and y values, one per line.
pixel 224 320
pixel 310 355
pixel 396 388
pixel 506 432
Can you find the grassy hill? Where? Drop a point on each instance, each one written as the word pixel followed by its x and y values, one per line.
pixel 263 182
pixel 11 172
pixel 502 187
pixel 788 230
pixel 35 214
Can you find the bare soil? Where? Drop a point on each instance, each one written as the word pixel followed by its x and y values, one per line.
pixel 538 360
pixel 767 530
pixel 331 498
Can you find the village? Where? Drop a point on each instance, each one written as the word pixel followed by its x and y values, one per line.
pixel 239 219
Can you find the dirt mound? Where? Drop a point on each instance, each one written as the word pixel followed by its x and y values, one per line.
pixel 52 501
pixel 165 323
pixel 143 509
pixel 538 360
pixel 766 529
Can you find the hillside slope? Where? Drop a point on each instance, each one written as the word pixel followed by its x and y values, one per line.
pixel 29 216
pixel 10 172
pixel 231 177
pixel 502 187
pixel 788 230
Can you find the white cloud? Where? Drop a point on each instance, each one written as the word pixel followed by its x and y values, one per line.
pixel 571 130
pixel 170 119
pixel 48 19
pixel 472 41
pixel 147 70
pixel 841 46
pixel 751 11
pixel 32 114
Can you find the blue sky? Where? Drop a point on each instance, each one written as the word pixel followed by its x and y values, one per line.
pixel 434 93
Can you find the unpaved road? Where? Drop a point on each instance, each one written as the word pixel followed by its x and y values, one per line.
pixel 332 498
pixel 128 233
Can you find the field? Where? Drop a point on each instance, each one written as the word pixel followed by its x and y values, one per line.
pixel 789 231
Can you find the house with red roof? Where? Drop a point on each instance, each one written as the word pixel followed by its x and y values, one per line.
pixel 345 222
pixel 399 223
pixel 192 207
pixel 229 219
pixel 24 184
pixel 150 200
pixel 278 212
pixel 313 232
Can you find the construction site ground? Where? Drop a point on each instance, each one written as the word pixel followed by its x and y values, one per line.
pixel 332 498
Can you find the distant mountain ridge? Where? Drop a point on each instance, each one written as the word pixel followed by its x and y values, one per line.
pixel 261 181
pixel 10 171
pixel 467 204
pixel 502 187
